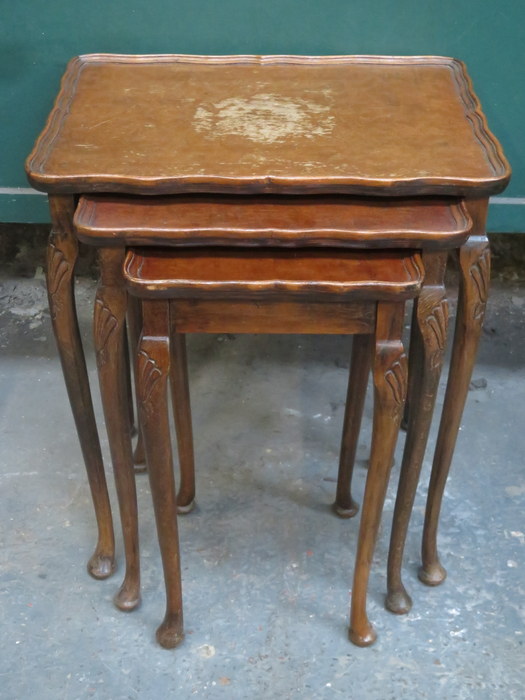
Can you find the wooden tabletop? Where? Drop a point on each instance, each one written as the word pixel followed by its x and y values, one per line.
pixel 272 220
pixel 272 124
pixel 229 273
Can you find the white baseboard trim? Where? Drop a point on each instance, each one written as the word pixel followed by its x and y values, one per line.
pixel 508 200
pixel 21 190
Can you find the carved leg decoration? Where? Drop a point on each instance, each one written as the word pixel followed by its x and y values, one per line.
pixel 390 380
pixel 413 370
pixel 109 328
pixel 429 332
pixel 127 377
pixel 180 395
pixel 62 253
pixel 474 264
pixel 153 367
pixel 344 505
pixel 134 320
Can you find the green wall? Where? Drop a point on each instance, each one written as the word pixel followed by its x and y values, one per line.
pixel 39 37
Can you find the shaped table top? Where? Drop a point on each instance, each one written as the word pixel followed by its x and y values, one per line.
pixel 275 124
pixel 272 220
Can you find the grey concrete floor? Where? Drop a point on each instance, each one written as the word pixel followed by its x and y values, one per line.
pixel 266 566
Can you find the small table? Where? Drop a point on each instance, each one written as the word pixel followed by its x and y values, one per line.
pixel 359 126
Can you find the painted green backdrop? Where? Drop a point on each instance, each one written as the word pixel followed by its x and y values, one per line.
pixel 39 36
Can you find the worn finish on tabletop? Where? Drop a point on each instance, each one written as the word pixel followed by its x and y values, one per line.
pixel 170 124
pixel 355 124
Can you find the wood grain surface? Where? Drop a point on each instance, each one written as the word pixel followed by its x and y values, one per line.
pixel 225 273
pixel 353 124
pixel 267 220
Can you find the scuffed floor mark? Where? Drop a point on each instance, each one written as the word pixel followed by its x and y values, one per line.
pixel 520 536
pixel 206 651
pixel 264 118
pixel 515 490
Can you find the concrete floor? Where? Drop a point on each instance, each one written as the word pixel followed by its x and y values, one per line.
pixel 266 565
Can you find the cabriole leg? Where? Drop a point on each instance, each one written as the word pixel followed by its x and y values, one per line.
pixel 153 369
pixel 429 332
pixel 109 329
pixel 344 505
pixel 413 369
pixel 180 394
pixel 474 268
pixel 390 381
pixel 134 322
pixel 62 252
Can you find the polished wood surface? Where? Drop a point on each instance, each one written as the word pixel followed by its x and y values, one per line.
pixel 180 400
pixel 360 364
pixel 474 276
pixel 299 316
pixel 109 334
pixel 389 370
pixel 381 125
pixel 153 371
pixel 384 127
pixel 270 273
pixel 427 349
pixel 343 222
pixel 134 325
pixel 367 273
pixel 62 253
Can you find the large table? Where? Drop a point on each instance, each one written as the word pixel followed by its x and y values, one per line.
pixel 349 126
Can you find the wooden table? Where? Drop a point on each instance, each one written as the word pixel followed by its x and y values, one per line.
pixel 353 126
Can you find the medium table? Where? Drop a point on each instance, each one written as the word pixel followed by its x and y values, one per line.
pixel 361 126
